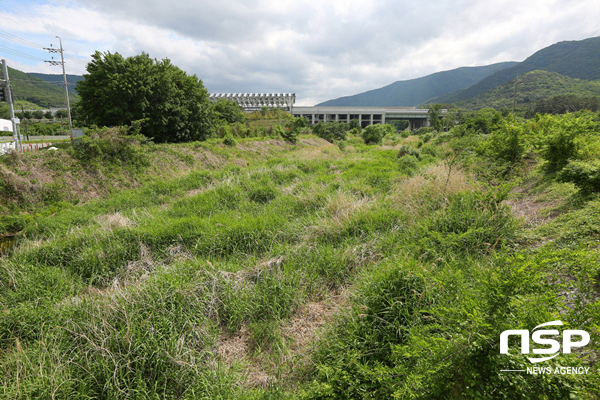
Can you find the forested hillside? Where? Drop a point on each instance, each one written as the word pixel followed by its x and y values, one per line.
pixel 38 91
pixel 57 79
pixel 414 91
pixel 533 86
pixel 574 59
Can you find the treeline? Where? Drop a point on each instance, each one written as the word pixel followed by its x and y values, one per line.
pixel 564 104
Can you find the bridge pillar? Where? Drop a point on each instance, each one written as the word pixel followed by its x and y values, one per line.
pixel 371 120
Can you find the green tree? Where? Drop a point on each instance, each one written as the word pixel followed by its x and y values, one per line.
pixel 117 91
pixel 228 110
pixel 373 134
pixel 48 115
pixel 434 116
pixel 38 114
pixel 61 114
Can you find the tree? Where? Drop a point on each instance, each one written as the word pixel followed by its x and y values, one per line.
pixel 48 115
pixel 434 116
pixel 229 110
pixel 61 114
pixel 117 91
pixel 38 114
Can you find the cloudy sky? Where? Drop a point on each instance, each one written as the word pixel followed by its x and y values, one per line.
pixel 319 49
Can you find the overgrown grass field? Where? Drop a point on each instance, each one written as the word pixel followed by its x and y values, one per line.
pixel 303 272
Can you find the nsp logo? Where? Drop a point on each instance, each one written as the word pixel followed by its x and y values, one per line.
pixel 537 337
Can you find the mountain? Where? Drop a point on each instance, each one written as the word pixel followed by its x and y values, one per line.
pixel 532 86
pixel 414 91
pixel 58 79
pixel 38 91
pixel 574 59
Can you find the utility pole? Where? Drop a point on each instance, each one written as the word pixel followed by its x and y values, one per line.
pixel 9 100
pixel 515 97
pixel 62 62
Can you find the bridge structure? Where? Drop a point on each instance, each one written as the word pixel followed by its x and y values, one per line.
pixel 256 101
pixel 417 117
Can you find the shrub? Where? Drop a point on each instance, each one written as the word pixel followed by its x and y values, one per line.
pixel 428 136
pixel 507 143
pixel 373 134
pixel 113 145
pixel 408 150
pixel 585 175
pixel 408 165
pixel 331 131
pixel 229 140
pixel 558 149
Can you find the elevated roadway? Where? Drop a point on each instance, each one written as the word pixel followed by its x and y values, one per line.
pixel 417 117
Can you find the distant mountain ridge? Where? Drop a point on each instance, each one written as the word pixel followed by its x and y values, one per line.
pixel 533 86
pixel 58 79
pixel 574 59
pixel 30 88
pixel 414 91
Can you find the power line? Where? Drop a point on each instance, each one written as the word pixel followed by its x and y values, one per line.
pixel 77 60
pixel 19 40
pixel 17 53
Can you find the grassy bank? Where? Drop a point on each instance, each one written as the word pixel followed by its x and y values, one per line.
pixel 271 270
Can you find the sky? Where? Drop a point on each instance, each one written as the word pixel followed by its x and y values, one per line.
pixel 317 49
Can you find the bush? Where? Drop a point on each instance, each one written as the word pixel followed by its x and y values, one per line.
pixel 558 149
pixel 293 128
pixel 585 175
pixel 121 144
pixel 229 140
pixel 331 131
pixel 373 134
pixel 507 143
pixel 428 136
pixel 408 150
pixel 408 165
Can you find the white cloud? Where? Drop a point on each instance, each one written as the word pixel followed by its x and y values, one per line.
pixel 319 50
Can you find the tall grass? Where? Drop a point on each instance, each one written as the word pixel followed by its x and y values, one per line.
pixel 143 294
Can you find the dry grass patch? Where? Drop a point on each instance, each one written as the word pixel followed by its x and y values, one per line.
pixel 433 185
pixel 113 221
pixel 533 211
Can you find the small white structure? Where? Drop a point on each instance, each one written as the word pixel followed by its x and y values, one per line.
pixel 6 125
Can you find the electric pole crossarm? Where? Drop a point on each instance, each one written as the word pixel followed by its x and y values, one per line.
pixel 62 62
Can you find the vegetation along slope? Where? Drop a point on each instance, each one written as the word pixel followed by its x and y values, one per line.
pixel 29 88
pixel 532 87
pixel 385 266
